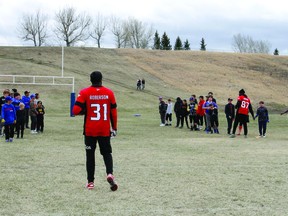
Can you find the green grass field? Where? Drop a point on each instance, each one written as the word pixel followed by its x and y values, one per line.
pixel 160 170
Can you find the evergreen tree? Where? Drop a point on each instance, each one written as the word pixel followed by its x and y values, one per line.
pixel 178 44
pixel 157 43
pixel 276 52
pixel 165 42
pixel 186 45
pixel 203 45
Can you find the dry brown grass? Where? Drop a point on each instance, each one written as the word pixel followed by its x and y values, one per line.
pixel 168 73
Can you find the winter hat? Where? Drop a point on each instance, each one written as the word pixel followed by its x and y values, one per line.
pixel 242 91
pixel 8 98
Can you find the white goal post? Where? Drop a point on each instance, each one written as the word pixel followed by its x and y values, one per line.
pixel 41 80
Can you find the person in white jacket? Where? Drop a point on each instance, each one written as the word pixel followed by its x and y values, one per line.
pixel 169 113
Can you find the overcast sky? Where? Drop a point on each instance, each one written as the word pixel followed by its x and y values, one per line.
pixel 214 20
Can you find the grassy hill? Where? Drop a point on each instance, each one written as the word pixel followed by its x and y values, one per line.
pixel 167 73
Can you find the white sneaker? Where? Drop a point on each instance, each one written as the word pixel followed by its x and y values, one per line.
pixel 161 125
pixel 33 132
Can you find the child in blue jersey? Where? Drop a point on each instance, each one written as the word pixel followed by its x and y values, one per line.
pixel 26 101
pixel 9 119
pixel 263 118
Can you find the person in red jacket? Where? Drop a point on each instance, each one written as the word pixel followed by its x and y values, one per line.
pixel 98 104
pixel 201 112
pixel 243 107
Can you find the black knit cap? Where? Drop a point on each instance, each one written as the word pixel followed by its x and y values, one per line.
pixel 96 77
pixel 242 91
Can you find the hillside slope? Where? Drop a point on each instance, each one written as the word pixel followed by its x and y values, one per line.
pixel 167 73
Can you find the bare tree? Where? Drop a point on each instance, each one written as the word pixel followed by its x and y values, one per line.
pixel 98 28
pixel 72 27
pixel 34 28
pixel 246 44
pixel 117 27
pixel 131 33
pixel 140 33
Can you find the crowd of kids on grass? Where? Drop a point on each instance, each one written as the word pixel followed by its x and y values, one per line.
pixel 203 114
pixel 15 111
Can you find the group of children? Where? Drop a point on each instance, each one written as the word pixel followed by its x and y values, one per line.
pixel 204 114
pixel 15 112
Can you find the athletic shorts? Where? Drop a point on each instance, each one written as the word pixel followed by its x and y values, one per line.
pixel 242 118
pixel 103 142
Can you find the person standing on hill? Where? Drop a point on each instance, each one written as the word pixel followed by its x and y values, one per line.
pixel 143 84
pixel 99 106
pixel 243 107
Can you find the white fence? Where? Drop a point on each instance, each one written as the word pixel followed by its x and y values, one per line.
pixel 38 80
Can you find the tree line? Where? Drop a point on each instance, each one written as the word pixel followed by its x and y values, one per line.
pixel 72 27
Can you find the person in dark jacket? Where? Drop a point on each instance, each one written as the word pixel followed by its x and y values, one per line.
pixel 263 118
pixel 177 110
pixel 162 111
pixel 184 114
pixel 230 114
pixel 40 116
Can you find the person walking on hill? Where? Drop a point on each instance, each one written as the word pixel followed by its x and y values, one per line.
pixel 143 84
pixel 99 106
pixel 243 107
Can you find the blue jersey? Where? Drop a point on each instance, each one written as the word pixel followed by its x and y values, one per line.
pixel 26 101
pixel 16 103
pixel 207 104
pixel 8 114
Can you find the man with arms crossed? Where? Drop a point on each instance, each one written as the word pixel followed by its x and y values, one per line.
pixel 98 104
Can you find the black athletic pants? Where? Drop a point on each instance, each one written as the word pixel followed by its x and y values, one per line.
pixel 20 128
pixel 105 150
pixel 242 119
pixel 26 117
pixel 262 127
pixel 229 127
pixel 9 131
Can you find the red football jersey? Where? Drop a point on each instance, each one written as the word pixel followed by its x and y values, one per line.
pixel 244 105
pixel 99 105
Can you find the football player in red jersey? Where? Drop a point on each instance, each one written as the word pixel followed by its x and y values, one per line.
pixel 98 104
pixel 243 107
